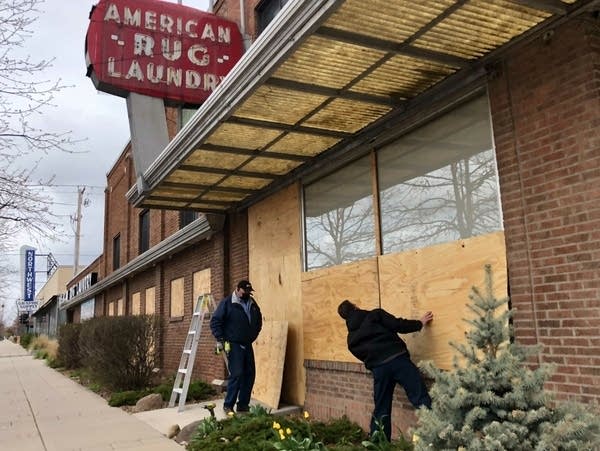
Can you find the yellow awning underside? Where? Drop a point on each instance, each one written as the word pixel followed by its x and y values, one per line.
pixel 362 62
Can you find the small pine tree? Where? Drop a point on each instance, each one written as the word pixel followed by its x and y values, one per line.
pixel 494 400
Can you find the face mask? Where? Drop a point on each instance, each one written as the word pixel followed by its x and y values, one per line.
pixel 245 296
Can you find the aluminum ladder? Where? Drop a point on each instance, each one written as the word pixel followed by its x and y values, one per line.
pixel 186 364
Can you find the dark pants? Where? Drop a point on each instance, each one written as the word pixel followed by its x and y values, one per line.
pixel 399 370
pixel 241 376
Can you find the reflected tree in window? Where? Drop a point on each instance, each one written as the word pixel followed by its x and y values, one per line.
pixel 457 201
pixel 340 225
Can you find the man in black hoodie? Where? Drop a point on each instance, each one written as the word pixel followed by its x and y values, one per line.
pixel 373 339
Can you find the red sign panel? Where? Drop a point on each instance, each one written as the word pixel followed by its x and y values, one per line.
pixel 159 49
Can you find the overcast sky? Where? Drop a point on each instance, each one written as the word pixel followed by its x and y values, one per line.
pixel 98 119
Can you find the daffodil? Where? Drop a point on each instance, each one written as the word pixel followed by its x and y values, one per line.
pixel 281 434
pixel 276 425
pixel 306 415
pixel 230 414
pixel 288 431
pixel 415 438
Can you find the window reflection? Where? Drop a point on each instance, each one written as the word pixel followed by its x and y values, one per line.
pixel 339 217
pixel 439 183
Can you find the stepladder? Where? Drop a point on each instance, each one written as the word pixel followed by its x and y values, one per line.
pixel 188 356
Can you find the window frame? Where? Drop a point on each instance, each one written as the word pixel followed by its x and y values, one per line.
pixel 116 252
pixel 144 231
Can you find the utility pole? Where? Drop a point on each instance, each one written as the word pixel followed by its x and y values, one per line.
pixel 80 192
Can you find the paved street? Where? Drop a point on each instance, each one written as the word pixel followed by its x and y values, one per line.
pixel 41 410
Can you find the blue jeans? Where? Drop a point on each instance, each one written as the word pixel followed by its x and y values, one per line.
pixel 399 370
pixel 242 373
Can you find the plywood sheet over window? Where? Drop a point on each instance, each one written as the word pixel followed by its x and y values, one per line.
pixel 177 298
pixel 201 285
pixel 150 299
pixel 135 303
pixel 120 311
pixel 111 309
pixel 275 267
pixel 439 278
pixel 322 292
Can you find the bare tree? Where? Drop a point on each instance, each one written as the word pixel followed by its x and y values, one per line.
pixel 456 201
pixel 25 205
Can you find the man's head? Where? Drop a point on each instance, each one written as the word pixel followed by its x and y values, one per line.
pixel 244 289
pixel 346 308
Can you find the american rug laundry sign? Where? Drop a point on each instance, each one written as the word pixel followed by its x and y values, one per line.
pixel 159 49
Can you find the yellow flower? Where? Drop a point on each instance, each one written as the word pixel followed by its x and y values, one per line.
pixel 288 431
pixel 415 438
pixel 306 415
pixel 230 414
pixel 281 434
pixel 276 425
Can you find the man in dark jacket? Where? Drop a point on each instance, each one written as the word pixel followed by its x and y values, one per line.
pixel 373 339
pixel 235 324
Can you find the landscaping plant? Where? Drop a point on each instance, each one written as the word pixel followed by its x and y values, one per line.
pixel 495 400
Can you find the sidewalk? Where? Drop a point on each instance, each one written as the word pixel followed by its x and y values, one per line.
pixel 42 410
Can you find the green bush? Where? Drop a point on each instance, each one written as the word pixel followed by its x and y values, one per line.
pixel 120 351
pixel 259 430
pixel 127 398
pixel 199 391
pixel 26 340
pixel 69 354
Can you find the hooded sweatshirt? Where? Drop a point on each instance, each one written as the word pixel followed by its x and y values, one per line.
pixel 373 335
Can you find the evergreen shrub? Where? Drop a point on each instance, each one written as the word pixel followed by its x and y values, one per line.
pixel 494 400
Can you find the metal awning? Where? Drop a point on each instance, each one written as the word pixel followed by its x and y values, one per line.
pixel 321 74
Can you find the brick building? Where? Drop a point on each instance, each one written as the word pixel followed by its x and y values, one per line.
pixel 383 158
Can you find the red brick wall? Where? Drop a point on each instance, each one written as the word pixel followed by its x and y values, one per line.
pixel 334 389
pixel 230 10
pixel 118 211
pixel 545 104
pixel 237 227
pixel 205 254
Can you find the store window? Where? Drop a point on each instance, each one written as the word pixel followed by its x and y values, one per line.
pixel 439 183
pixel 339 220
pixel 186 217
pixel 266 12
pixel 116 252
pixel 144 235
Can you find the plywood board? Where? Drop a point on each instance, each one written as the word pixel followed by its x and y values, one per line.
pixel 150 299
pixel 269 353
pixel 439 278
pixel 111 309
pixel 200 285
pixel 135 303
pixel 176 297
pixel 120 307
pixel 322 291
pixel 275 267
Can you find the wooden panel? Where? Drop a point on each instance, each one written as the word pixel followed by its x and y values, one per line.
pixel 269 351
pixel 111 309
pixel 439 278
pixel 135 303
pixel 322 291
pixel 150 299
pixel 120 307
pixel 177 298
pixel 274 269
pixel 200 285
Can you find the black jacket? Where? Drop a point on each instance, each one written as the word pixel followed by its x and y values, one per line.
pixel 373 335
pixel 230 323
